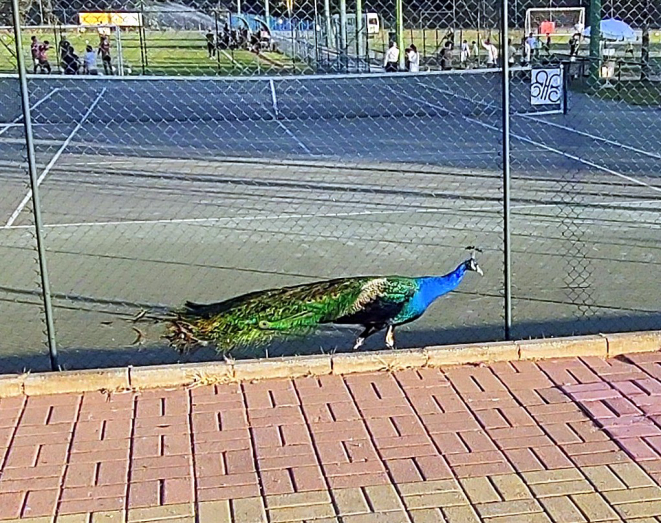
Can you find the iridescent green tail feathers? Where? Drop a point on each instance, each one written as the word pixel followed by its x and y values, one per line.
pixel 258 318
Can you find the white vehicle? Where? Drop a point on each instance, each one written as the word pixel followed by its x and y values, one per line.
pixel 370 21
pixel 373 25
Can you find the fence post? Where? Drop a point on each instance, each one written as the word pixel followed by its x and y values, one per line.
pixel 32 169
pixel 507 247
pixel 595 41
pixel 359 32
pixel 399 23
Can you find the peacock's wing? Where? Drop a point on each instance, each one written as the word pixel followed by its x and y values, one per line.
pixel 312 304
pixel 380 300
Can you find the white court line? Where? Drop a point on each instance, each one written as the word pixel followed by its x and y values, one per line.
pixel 533 116
pixel 593 136
pixel 7 126
pixel 279 78
pixel 274 98
pixel 50 164
pixel 537 144
pixel 490 105
pixel 290 133
pixel 472 100
pixel 269 217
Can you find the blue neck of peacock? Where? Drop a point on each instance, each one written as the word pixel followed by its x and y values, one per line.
pixel 433 287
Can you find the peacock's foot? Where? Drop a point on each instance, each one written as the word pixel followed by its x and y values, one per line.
pixel 359 343
pixel 390 338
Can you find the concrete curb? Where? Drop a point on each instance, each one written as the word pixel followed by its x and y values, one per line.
pixel 196 374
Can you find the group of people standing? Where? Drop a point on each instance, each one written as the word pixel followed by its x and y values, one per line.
pixel 70 62
pixel 411 59
pixel 469 54
pixel 532 47
pixel 412 56
pixel 238 38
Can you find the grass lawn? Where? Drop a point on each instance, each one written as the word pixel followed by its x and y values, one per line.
pixel 634 92
pixel 162 53
pixel 184 52
pixel 430 41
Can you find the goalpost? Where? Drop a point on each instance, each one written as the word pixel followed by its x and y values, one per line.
pixel 556 21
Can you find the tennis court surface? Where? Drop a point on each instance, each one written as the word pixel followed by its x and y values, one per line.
pixel 156 191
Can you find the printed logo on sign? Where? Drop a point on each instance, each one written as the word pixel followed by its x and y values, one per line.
pixel 546 86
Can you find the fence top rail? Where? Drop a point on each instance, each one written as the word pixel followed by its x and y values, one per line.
pixel 63 27
pixel 260 78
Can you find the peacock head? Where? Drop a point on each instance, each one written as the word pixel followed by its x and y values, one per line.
pixel 471 263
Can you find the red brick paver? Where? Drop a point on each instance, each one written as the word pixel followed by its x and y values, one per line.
pixel 569 440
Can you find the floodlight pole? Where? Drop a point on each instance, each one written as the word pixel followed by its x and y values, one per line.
pixel 267 14
pixel 595 41
pixel 399 13
pixel 329 26
pixel 645 45
pixel 34 186
pixel 343 33
pixel 359 31
pixel 120 51
pixel 507 245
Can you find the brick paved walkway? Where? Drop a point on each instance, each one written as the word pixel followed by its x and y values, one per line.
pixel 565 441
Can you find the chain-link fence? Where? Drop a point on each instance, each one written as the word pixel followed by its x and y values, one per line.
pixel 186 151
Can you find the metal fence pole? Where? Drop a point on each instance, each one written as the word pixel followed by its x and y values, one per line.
pixel 329 26
pixel 343 35
pixel 359 32
pixel 32 169
pixel 595 40
pixel 507 247
pixel 399 13
pixel 267 14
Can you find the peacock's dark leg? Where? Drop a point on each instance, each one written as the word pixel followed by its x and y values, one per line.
pixel 390 337
pixel 369 330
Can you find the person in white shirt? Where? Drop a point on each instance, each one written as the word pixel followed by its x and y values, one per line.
pixel 492 53
pixel 531 45
pixel 524 50
pixel 464 54
pixel 89 61
pixel 391 60
pixel 511 53
pixel 414 59
pixel 476 53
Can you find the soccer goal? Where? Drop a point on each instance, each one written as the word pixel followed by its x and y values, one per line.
pixel 555 21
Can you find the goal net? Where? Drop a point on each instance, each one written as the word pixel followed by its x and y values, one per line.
pixel 557 21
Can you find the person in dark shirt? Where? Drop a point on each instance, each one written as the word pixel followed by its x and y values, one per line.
pixel 104 53
pixel 42 57
pixel 70 62
pixel 573 47
pixel 446 57
pixel 211 44
pixel 34 51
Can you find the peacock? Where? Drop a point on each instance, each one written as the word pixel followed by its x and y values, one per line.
pixel 260 317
